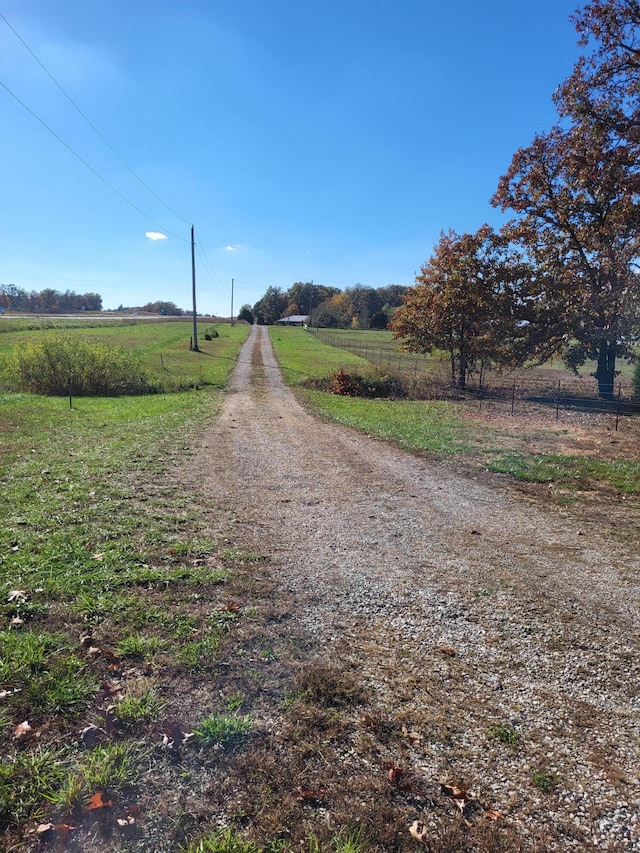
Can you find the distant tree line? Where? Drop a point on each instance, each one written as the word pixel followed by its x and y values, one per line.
pixel 561 277
pixel 357 307
pixel 47 301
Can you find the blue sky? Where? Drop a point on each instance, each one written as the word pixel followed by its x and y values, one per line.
pixel 329 141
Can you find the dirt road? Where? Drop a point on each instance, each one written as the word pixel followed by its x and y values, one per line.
pixel 500 638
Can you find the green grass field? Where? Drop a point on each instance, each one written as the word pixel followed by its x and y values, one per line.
pixel 382 349
pixel 163 347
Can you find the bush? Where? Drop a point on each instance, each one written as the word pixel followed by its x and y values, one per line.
pixel 372 385
pixel 57 365
pixel 210 333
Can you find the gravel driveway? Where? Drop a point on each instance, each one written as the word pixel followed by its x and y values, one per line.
pixel 503 637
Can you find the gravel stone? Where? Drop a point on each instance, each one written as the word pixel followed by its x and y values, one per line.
pixel 462 606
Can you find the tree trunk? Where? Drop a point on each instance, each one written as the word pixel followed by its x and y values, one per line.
pixel 606 370
pixel 462 369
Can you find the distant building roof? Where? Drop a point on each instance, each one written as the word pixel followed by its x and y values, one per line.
pixel 298 319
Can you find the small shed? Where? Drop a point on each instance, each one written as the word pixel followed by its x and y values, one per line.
pixel 294 320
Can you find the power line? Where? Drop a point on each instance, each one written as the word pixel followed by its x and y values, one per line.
pixel 88 166
pixel 209 270
pixel 91 125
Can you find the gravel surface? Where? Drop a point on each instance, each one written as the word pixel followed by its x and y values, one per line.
pixel 502 636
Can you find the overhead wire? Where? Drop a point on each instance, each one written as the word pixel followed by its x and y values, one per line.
pixel 89 122
pixel 209 269
pixel 88 165
pixel 201 253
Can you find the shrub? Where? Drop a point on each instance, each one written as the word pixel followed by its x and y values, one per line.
pixel 374 384
pixel 57 365
pixel 210 333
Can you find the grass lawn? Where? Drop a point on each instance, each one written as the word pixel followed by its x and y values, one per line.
pixel 163 347
pixel 103 575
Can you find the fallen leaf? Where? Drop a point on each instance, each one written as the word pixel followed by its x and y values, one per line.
pixel 16 622
pixel 108 715
pixel 492 814
pixel 311 798
pixel 45 829
pixel 416 737
pixel 419 831
pixel 174 737
pixel 5 693
pixel 96 802
pixel 98 556
pixel 395 774
pixel 447 650
pixel 457 792
pixel 21 730
pixel 93 735
pixel 17 595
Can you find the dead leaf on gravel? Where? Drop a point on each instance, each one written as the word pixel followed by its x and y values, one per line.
pixel 492 814
pixel 447 650
pixel 457 792
pixel 174 737
pixel 419 831
pixel 309 798
pixel 394 773
pixel 415 737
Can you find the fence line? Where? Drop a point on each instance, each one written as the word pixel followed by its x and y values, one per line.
pixel 517 395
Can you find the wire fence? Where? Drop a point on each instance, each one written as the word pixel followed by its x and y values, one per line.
pixel 552 396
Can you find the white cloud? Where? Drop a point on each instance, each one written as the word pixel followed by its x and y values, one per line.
pixel 231 248
pixel 155 235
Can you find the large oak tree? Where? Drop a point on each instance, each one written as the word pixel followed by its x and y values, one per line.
pixel 576 193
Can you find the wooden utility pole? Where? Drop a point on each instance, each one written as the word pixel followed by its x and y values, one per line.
pixel 232 302
pixel 194 345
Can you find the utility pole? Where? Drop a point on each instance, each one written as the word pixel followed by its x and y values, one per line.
pixel 194 345
pixel 232 302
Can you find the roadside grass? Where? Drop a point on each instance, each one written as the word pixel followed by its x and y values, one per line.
pixel 163 348
pixel 302 357
pixel 456 430
pixel 107 579
pixel 576 471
